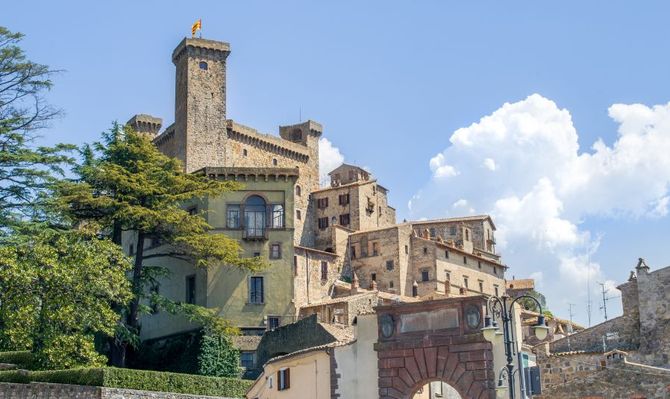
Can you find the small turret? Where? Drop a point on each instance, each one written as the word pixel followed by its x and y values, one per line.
pixel 143 123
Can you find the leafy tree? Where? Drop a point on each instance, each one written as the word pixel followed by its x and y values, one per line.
pixel 25 169
pixel 127 185
pixel 55 293
pixel 218 357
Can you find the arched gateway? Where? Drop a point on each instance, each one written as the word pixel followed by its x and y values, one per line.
pixel 434 341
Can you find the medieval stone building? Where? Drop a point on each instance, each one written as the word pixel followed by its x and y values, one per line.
pixel 316 239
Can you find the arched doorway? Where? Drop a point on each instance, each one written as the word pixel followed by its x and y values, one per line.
pixel 431 341
pixel 436 390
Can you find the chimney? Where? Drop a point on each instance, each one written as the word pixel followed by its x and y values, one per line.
pixel 373 285
pixel 354 284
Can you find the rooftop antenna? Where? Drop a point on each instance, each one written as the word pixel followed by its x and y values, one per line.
pixel 588 287
pixel 605 299
pixel 300 114
pixel 570 305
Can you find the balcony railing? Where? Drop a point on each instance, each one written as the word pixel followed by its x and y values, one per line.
pixel 255 233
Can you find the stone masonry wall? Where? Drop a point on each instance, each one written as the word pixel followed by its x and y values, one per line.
pixel 366 263
pixel 591 375
pixel 63 391
pixel 623 335
pixel 654 299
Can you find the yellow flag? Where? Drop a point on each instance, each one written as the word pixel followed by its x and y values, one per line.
pixel 196 27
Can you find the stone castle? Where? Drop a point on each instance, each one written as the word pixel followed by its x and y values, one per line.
pixel 333 251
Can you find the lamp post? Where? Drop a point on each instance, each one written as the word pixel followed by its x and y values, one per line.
pixel 502 308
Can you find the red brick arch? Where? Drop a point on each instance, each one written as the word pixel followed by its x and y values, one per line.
pixel 458 356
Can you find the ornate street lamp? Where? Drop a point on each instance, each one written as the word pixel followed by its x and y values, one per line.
pixel 499 308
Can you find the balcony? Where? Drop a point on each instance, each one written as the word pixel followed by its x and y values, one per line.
pixel 255 233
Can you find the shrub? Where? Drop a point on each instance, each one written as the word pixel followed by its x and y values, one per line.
pixel 218 357
pixel 135 379
pixel 22 359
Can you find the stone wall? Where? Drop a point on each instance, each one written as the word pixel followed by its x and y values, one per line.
pixel 37 390
pixel 305 333
pixel 619 333
pixel 654 299
pixel 593 375
pixel 367 263
pixel 308 284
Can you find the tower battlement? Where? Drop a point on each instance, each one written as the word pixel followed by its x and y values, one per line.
pixel 201 48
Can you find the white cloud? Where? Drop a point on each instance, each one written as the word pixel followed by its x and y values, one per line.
pixel 544 187
pixel 330 158
pixel 441 169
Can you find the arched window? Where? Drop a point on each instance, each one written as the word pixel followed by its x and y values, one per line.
pixel 298 191
pixel 203 65
pixel 254 216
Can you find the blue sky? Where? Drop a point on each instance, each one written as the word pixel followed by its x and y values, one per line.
pixel 392 81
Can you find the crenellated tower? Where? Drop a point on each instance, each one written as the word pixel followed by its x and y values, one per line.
pixel 200 102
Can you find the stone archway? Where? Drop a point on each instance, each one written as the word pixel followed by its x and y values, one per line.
pixel 437 389
pixel 434 340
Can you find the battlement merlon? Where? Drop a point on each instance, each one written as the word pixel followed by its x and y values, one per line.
pixel 203 47
pixel 143 123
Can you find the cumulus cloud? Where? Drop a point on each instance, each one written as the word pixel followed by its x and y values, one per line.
pixel 522 164
pixel 330 158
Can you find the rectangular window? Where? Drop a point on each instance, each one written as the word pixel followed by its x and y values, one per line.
pixel 256 294
pixel 233 217
pixel 425 276
pixel 344 219
pixel 465 282
pixel 406 249
pixel 283 379
pixel 447 275
pixel 190 289
pixel 373 276
pixel 323 223
pixel 389 265
pixel 324 270
pixel 375 249
pixel 481 286
pixel 273 322
pixel 452 230
pixel 391 284
pixel 247 360
pixel 131 250
pixel 479 264
pixel 277 216
pixel 343 199
pixel 322 203
pixel 446 254
pixel 298 215
pixel 353 252
pixel 275 250
pixel 465 260
pixel 425 250
pixel 295 265
pixel 495 289
pixel 432 232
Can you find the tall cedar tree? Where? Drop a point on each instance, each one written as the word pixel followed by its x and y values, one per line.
pixel 126 184
pixel 25 169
